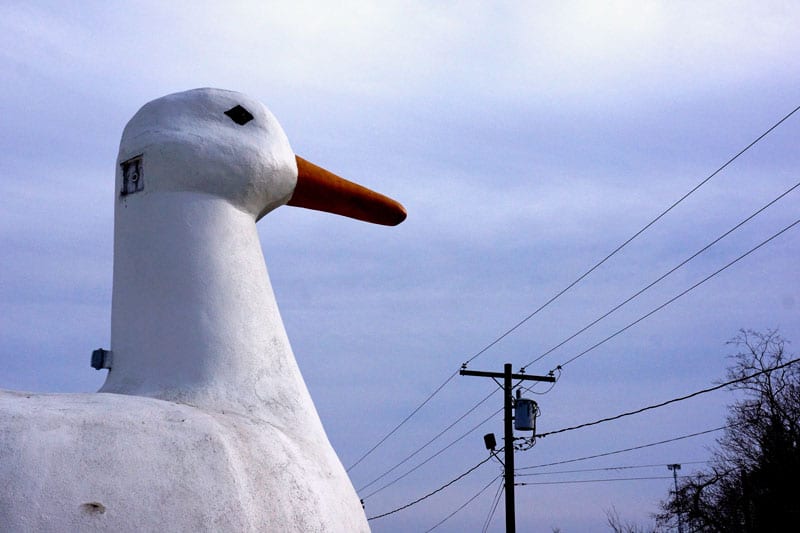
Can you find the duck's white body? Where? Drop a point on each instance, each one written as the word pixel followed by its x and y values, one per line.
pixel 111 462
pixel 204 422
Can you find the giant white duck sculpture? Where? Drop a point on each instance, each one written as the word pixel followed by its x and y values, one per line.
pixel 204 422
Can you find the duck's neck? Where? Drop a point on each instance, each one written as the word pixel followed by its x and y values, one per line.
pixel 193 317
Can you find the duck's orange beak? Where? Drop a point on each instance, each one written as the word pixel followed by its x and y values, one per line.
pixel 325 191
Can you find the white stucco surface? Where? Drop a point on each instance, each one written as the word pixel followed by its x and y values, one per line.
pixel 111 462
pixel 204 422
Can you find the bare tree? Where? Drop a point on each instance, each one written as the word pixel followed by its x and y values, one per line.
pixel 751 483
pixel 619 526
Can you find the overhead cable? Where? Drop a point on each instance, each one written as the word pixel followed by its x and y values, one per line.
pixel 625 450
pixel 731 263
pixel 665 304
pixel 501 486
pixel 445 430
pixel 406 419
pixel 635 235
pixel 406 506
pixel 600 343
pixel 607 468
pixel 441 451
pixel 568 287
pixel 681 264
pixel 616 417
pixel 448 517
pixel 673 400
pixel 569 482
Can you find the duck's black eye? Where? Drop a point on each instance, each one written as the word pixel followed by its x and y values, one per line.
pixel 239 115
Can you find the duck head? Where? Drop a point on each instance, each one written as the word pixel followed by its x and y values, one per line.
pixel 193 316
pixel 236 150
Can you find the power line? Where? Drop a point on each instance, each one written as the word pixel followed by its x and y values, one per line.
pixel 665 304
pixel 406 506
pixel 575 282
pixel 635 235
pixel 445 430
pixel 435 437
pixel 731 263
pixel 730 382
pixel 681 264
pixel 629 413
pixel 608 468
pixel 406 419
pixel 448 517
pixel 673 400
pixel 640 447
pixel 598 344
pixel 395 480
pixel 495 503
pixel 569 482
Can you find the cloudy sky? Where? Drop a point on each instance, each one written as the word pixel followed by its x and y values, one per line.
pixel 527 140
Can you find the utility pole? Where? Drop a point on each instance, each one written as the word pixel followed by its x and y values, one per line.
pixel 675 467
pixel 508 404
